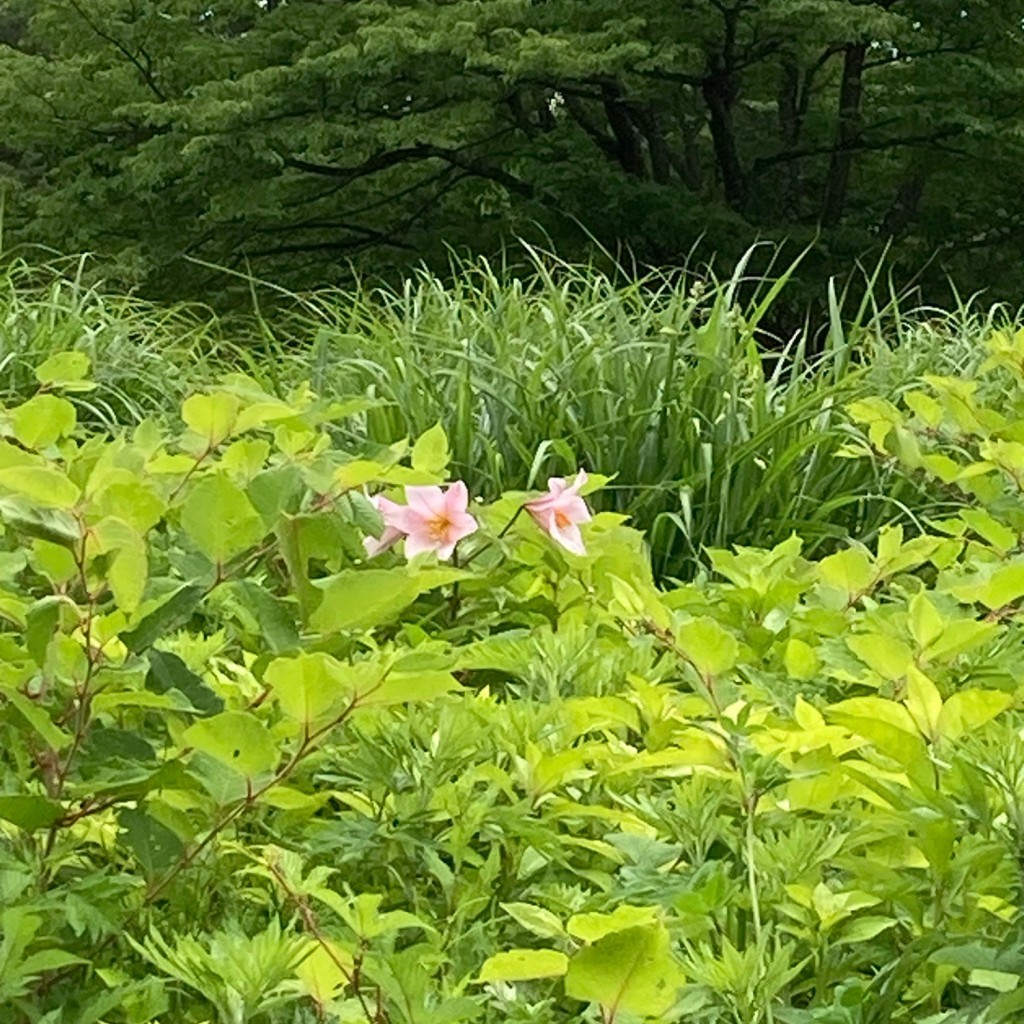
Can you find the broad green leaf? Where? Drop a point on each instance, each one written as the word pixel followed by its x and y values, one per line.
pixel 308 685
pixel 155 846
pixel 630 971
pixel 887 655
pixel 274 618
pixel 211 416
pixel 63 368
pixel 924 702
pixel 30 813
pixel 326 971
pixel 926 622
pixel 591 927
pixel 43 485
pixel 166 617
pixel 168 672
pixel 524 965
pixel 37 718
pixel 800 659
pixel 967 710
pixel 362 599
pixel 711 649
pixel 220 519
pixel 43 420
pixel 235 739
pixel 998 534
pixel 863 929
pixel 850 571
pixel 129 567
pixel 998 589
pixel 430 453
pixel 409 687
pixel 40 624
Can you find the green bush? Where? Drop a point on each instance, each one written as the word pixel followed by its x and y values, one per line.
pixel 716 432
pixel 250 773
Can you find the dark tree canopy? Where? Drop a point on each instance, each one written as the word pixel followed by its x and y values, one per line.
pixel 300 137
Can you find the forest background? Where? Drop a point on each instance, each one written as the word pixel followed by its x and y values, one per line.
pixel 313 141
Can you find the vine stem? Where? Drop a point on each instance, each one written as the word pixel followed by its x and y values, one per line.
pixel 312 925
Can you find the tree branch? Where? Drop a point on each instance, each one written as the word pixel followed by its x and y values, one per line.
pixel 144 69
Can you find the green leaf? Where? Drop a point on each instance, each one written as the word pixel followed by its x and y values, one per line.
pixel 800 659
pixel 631 971
pixel 129 568
pixel 524 965
pixel 711 649
pixel 63 368
pixel 997 589
pixel 273 616
pixel 849 571
pixel 535 919
pixel 43 485
pixel 37 718
pixel 177 609
pixel 862 929
pixel 968 710
pixel 168 672
pixel 235 739
pixel 43 420
pixel 887 655
pixel 30 813
pixel 408 687
pixel 430 453
pixel 211 416
pixel 362 599
pixel 591 927
pixel 308 686
pixel 40 623
pixel 155 846
pixel 220 519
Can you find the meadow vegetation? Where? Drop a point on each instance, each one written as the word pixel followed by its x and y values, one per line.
pixel 332 690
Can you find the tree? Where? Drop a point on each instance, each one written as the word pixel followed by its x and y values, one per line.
pixel 299 137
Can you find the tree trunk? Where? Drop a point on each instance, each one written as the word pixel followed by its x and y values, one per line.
pixel 851 91
pixel 719 91
pixel 627 139
pixel 648 117
pixel 904 206
pixel 790 126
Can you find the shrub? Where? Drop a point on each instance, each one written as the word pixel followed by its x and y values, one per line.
pixel 251 774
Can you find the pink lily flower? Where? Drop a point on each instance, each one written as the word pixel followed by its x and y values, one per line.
pixel 393 515
pixel 559 512
pixel 433 520
pixel 436 520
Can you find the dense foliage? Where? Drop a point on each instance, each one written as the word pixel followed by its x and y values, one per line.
pixel 298 136
pixel 530 377
pixel 250 773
